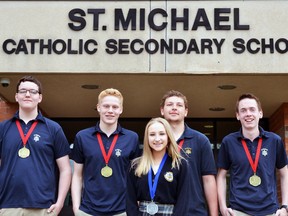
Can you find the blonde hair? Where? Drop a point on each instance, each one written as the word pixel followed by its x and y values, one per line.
pixel 110 92
pixel 144 163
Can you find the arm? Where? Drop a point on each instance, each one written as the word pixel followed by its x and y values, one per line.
pixel 63 185
pixel 183 191
pixel 221 190
pixel 132 208
pixel 210 190
pixel 76 187
pixel 283 172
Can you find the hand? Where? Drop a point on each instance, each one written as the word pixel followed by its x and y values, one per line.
pixel 56 208
pixel 227 212
pixel 281 212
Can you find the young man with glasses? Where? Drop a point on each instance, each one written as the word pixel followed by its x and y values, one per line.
pixel 35 172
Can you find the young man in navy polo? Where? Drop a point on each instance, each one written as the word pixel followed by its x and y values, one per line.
pixel 102 156
pixel 196 148
pixel 252 155
pixel 35 172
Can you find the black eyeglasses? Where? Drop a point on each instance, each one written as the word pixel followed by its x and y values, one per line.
pixel 31 91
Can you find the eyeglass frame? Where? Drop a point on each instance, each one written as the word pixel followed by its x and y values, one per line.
pixel 31 91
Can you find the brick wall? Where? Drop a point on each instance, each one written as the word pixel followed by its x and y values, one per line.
pixel 7 110
pixel 278 123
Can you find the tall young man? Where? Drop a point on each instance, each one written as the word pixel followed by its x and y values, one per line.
pixel 252 155
pixel 102 156
pixel 35 172
pixel 196 148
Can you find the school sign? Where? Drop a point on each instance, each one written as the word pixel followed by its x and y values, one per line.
pixel 144 37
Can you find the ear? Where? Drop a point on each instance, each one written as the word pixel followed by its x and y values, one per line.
pixel 16 97
pixel 261 114
pixel 237 116
pixel 162 111
pixel 186 112
pixel 98 108
pixel 40 98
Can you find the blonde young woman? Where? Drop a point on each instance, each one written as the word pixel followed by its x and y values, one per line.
pixel 157 182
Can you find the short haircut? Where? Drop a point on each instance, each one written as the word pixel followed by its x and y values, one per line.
pixel 30 79
pixel 110 92
pixel 248 96
pixel 173 93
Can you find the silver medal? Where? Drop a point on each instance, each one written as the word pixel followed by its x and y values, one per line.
pixel 152 208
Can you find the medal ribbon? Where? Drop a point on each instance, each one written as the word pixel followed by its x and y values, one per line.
pixel 107 156
pixel 253 165
pixel 23 137
pixel 180 145
pixel 153 186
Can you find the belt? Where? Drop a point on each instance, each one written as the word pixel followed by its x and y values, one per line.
pixel 162 208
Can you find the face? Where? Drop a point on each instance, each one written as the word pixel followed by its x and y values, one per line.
pixel 109 109
pixel 174 109
pixel 28 96
pixel 157 137
pixel 249 113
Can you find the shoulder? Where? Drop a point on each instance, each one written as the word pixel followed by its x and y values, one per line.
pixel 232 136
pixel 4 125
pixel 129 133
pixel 86 131
pixel 271 135
pixel 194 133
pixel 51 123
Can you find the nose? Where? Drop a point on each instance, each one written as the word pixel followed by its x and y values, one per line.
pixel 27 92
pixel 157 138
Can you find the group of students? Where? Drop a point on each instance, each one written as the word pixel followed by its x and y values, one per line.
pixel 175 174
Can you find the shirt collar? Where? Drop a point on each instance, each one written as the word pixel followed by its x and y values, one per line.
pixel 262 134
pixel 97 129
pixel 39 117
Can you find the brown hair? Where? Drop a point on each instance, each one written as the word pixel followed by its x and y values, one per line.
pixel 173 93
pixel 248 96
pixel 30 79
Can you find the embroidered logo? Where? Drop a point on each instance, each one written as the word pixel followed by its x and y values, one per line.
pixel 36 137
pixel 264 152
pixel 118 152
pixel 188 150
pixel 169 176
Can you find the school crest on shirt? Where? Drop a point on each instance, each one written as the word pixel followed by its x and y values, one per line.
pixel 188 150
pixel 264 152
pixel 168 176
pixel 118 152
pixel 36 137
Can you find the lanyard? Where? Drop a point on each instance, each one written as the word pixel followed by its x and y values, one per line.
pixel 153 186
pixel 23 137
pixel 180 145
pixel 254 164
pixel 107 156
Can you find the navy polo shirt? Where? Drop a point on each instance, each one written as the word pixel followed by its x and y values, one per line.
pixel 261 200
pixel 101 195
pixel 197 150
pixel 30 182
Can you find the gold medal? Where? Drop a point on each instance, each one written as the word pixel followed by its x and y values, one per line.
pixel 255 180
pixel 24 152
pixel 106 171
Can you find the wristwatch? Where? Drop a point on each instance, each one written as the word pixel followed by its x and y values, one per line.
pixel 285 207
